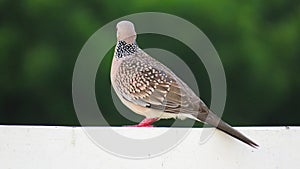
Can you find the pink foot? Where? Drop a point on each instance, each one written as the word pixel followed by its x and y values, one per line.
pixel 145 123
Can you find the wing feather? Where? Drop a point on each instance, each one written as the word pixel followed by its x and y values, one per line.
pixel 156 86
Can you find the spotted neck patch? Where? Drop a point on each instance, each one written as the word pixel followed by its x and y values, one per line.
pixel 125 49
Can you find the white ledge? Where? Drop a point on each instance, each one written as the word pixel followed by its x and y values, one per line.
pixel 47 147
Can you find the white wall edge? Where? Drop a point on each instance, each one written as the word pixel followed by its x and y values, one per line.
pixel 47 147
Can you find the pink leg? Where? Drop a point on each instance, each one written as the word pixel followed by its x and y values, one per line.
pixel 146 122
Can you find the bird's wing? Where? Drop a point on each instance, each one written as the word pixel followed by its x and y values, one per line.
pixel 156 87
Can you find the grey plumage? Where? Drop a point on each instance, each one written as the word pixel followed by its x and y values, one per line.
pixel 151 89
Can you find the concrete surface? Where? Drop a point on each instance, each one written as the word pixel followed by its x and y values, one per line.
pixel 47 147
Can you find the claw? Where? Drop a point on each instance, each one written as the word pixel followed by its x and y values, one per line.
pixel 147 122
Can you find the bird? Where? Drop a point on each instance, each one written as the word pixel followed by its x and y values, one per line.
pixel 151 89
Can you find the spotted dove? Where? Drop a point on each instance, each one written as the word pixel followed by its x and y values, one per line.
pixel 151 89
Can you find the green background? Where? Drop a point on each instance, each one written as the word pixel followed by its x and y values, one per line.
pixel 257 41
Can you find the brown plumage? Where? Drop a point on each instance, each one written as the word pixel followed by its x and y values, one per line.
pixel 151 89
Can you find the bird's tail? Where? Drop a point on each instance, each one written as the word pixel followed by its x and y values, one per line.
pixel 214 120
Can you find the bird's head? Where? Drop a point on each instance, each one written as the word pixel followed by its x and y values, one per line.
pixel 126 32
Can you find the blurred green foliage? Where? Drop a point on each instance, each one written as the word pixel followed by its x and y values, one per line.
pixel 257 41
